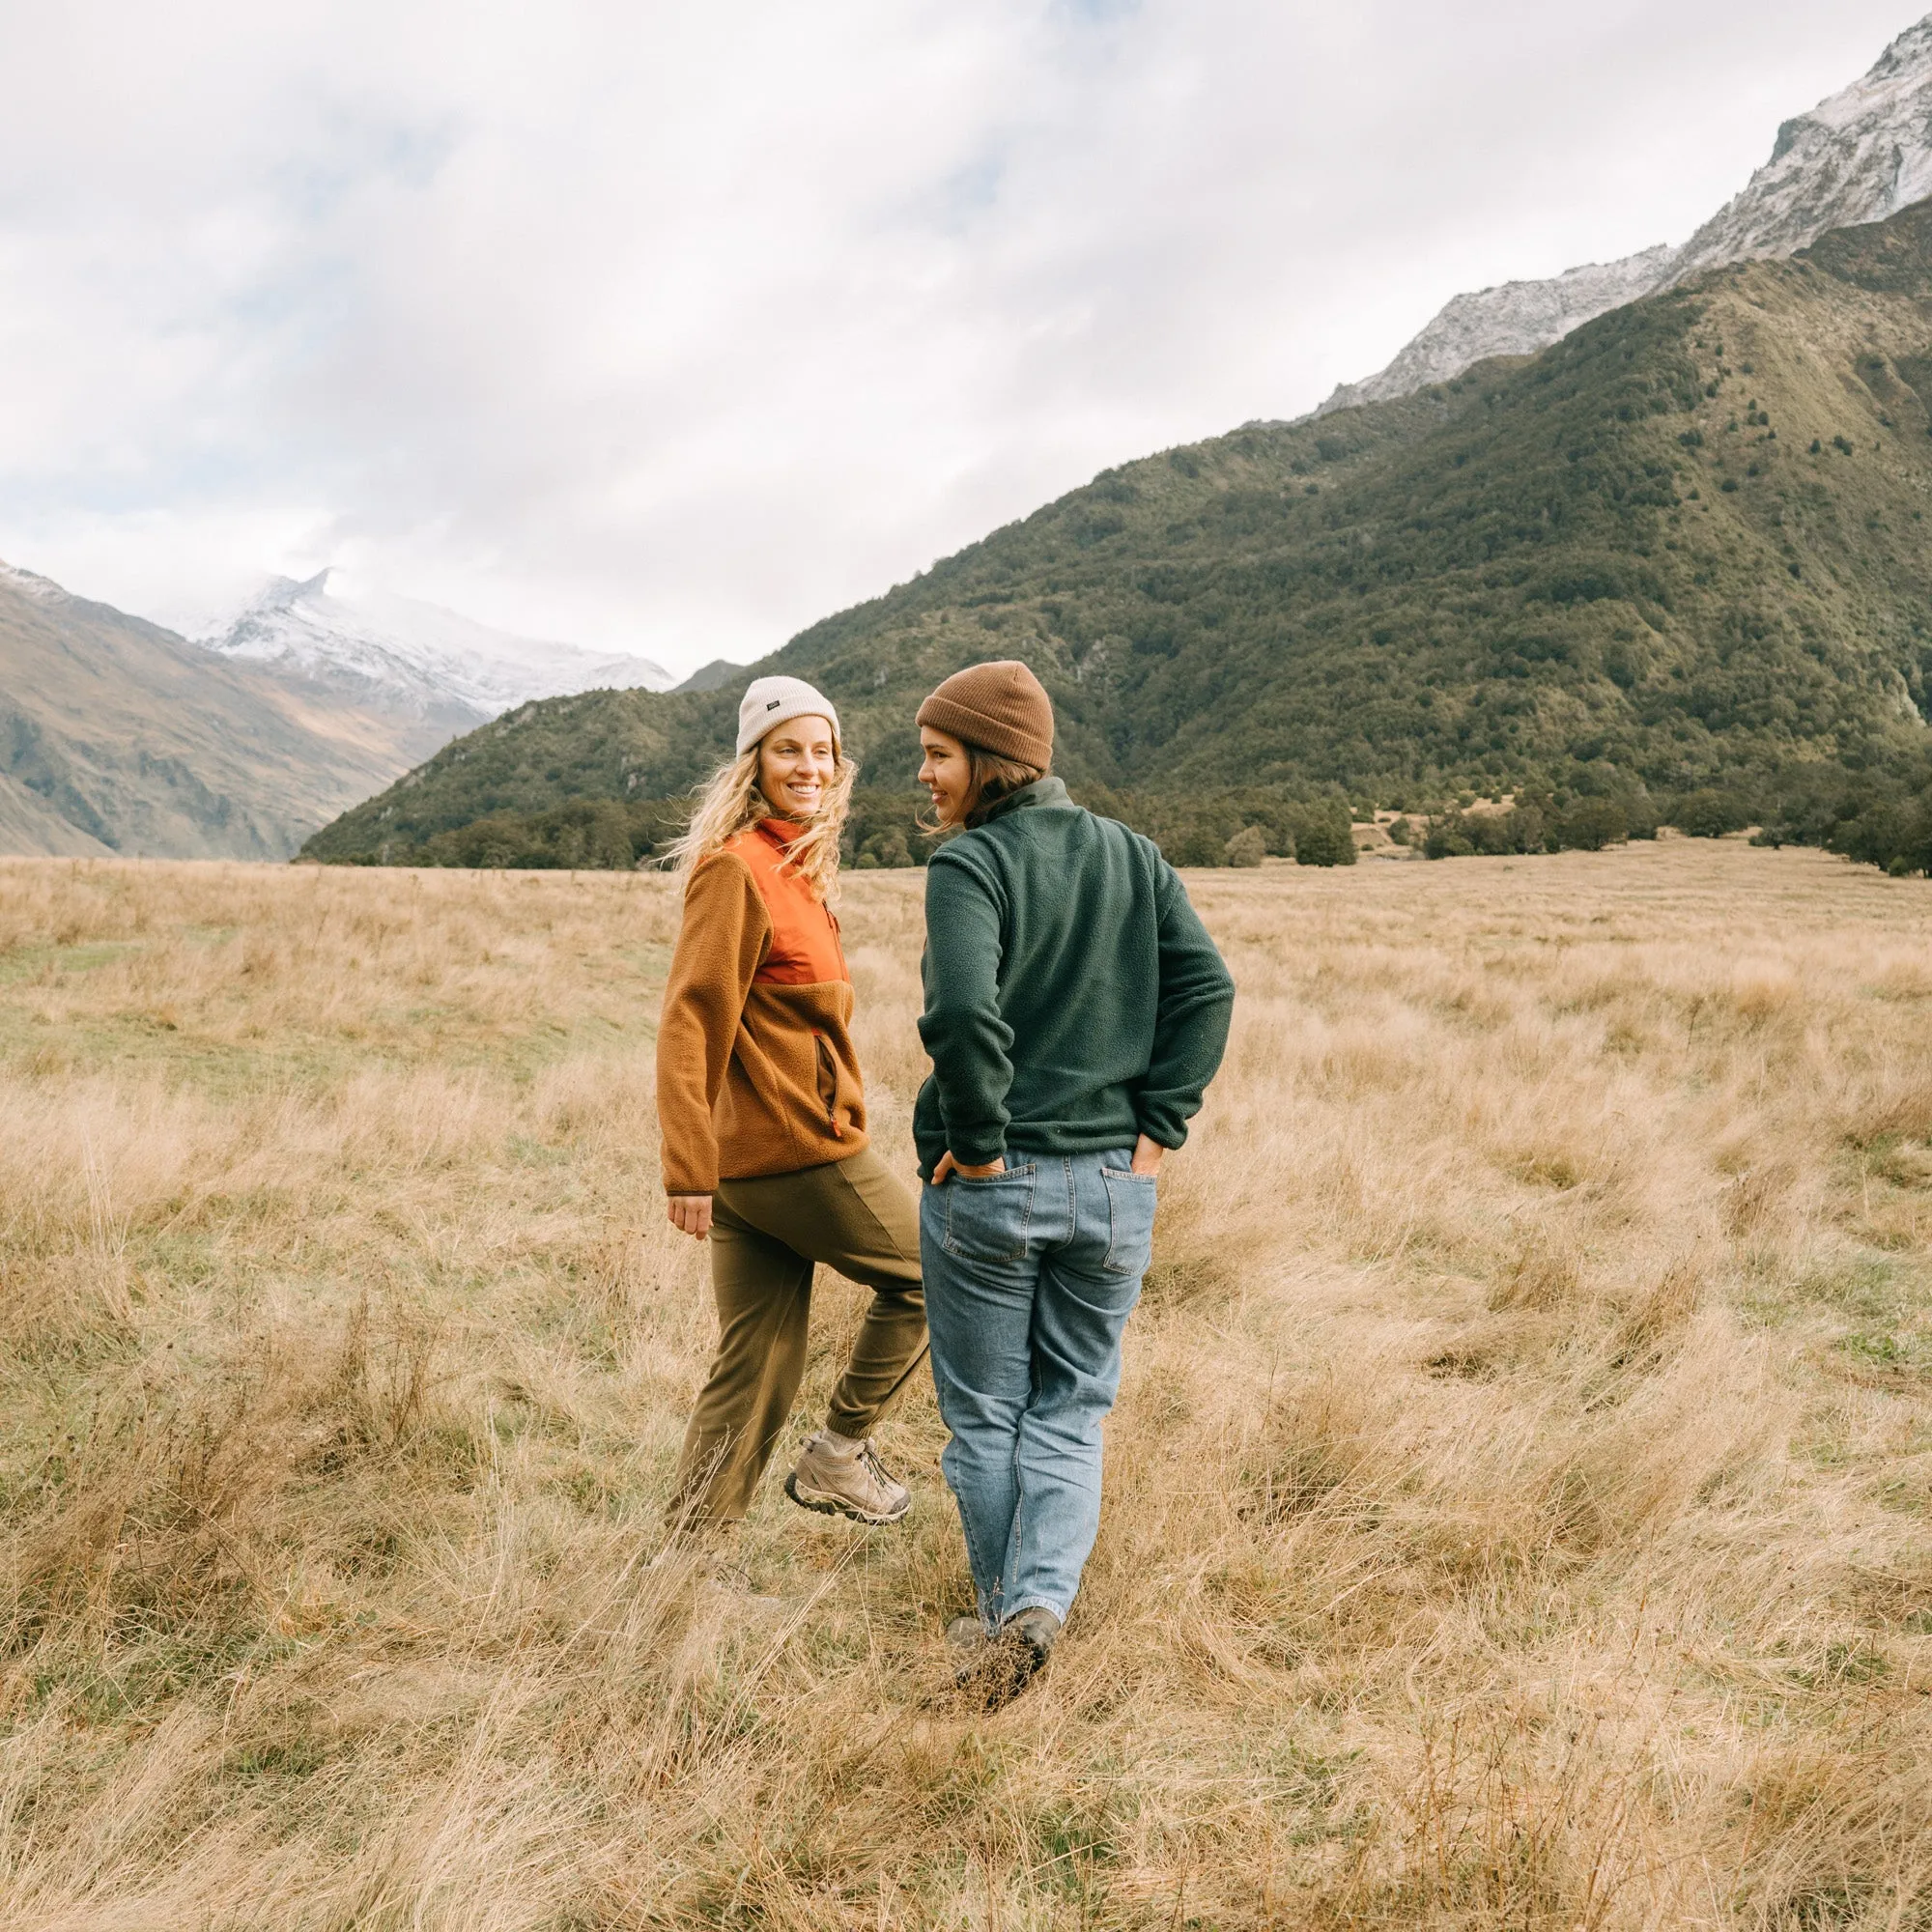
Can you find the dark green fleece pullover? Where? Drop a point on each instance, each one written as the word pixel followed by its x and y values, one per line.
pixel 1073 999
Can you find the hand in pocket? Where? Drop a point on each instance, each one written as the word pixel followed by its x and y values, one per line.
pixel 988 1217
pixel 1131 1199
pixel 948 1166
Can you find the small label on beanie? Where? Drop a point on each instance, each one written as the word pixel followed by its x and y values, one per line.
pixel 774 704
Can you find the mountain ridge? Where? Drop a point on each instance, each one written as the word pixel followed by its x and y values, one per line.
pixel 119 736
pixel 1684 545
pixel 431 667
pixel 1859 156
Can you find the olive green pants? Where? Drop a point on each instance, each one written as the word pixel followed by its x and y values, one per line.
pixel 767 1236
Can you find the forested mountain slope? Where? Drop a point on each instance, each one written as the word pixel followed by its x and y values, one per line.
pixel 1686 544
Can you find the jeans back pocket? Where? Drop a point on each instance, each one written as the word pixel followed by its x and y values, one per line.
pixel 990 1220
pixel 1131 1199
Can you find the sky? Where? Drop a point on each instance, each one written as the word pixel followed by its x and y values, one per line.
pixel 671 328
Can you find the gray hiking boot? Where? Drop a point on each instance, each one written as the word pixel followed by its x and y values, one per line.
pixel 846 1482
pixel 965 1637
pixel 1012 1658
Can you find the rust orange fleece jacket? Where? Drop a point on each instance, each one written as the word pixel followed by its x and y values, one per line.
pixel 755 1068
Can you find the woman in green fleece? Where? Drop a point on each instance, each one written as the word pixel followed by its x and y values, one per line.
pixel 1075 1012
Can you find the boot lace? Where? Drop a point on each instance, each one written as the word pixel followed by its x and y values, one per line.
pixel 868 1461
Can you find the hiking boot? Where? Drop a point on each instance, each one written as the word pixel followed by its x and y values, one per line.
pixel 1035 1631
pixel 965 1637
pixel 1013 1658
pixel 849 1482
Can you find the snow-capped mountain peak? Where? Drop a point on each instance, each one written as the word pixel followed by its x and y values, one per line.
pixel 398 655
pixel 1859 156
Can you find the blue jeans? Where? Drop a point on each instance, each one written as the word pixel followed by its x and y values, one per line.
pixel 1030 1278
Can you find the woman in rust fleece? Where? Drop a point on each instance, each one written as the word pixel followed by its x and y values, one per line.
pixel 763 1119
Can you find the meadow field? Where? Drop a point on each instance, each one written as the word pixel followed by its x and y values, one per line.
pixel 1519 1497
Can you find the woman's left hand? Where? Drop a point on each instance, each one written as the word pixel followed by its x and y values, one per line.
pixel 947 1166
pixel 690 1214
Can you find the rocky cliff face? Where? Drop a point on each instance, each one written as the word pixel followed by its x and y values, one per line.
pixel 1518 319
pixel 1859 157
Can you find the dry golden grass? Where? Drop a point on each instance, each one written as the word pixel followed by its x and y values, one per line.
pixel 1518 1501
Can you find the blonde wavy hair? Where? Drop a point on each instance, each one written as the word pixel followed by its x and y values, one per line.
pixel 730 803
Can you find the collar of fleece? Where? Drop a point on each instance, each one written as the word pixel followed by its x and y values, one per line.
pixel 1042 791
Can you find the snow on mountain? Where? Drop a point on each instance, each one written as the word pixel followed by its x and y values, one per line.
pixel 1514 320
pixel 1858 157
pixel 418 659
pixel 1861 156
pixel 43 589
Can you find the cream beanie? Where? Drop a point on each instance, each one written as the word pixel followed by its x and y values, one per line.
pixel 772 701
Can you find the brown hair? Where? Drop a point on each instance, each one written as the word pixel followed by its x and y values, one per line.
pixel 990 777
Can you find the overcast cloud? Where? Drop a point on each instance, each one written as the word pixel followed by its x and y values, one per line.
pixel 672 329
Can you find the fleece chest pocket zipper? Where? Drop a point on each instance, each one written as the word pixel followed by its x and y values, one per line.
pixel 828 1083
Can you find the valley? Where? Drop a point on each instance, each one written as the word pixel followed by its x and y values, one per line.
pixel 118 736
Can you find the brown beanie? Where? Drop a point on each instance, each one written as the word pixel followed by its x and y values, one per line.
pixel 1001 707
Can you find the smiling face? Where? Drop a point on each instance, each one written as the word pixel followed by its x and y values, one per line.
pixel 796 762
pixel 946 771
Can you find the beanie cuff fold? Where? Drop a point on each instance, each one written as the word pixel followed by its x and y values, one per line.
pixel 991 734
